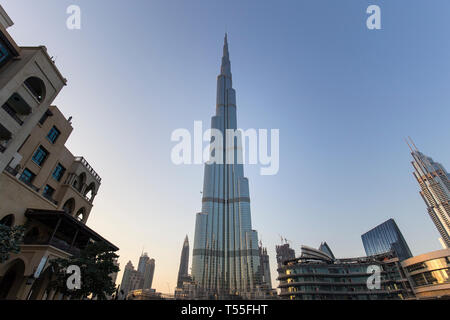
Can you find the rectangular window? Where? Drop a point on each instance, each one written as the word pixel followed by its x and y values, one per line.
pixel 48 192
pixel 45 116
pixel 40 155
pixel 53 135
pixel 27 176
pixel 58 172
pixel 4 53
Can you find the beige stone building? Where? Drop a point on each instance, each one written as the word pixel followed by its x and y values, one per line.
pixel 42 184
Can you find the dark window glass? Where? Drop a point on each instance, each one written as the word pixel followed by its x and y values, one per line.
pixel 53 135
pixel 5 55
pixel 43 118
pixel 37 87
pixel 40 155
pixel 27 176
pixel 48 192
pixel 58 172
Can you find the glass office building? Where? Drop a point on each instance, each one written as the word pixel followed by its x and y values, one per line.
pixel 225 257
pixel 384 238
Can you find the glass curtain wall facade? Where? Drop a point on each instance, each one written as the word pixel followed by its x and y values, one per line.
pixel 225 256
pixel 384 238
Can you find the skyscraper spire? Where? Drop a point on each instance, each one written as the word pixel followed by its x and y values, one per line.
pixel 226 64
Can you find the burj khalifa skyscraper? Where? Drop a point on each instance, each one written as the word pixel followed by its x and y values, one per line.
pixel 225 255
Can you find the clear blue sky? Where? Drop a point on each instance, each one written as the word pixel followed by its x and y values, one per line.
pixel 342 96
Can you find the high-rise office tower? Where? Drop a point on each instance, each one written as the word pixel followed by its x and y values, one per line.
pixel 146 267
pixel 434 183
pixel 148 274
pixel 384 238
pixel 284 252
pixel 184 263
pixel 225 255
pixel 142 262
pixel 266 279
pixel 131 280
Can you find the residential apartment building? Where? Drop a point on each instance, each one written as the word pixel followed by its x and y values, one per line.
pixel 29 82
pixel 42 184
pixel 316 275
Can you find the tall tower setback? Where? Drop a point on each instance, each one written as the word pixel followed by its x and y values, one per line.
pixel 434 182
pixel 225 256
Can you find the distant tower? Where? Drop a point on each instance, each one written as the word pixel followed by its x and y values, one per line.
pixel 264 272
pixel 284 252
pixel 434 183
pixel 184 263
pixel 146 267
pixel 149 273
pixel 131 279
pixel 142 262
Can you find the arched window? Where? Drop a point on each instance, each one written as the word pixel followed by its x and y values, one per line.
pixel 69 206
pixel 37 87
pixel 90 191
pixel 81 214
pixel 8 220
pixel 10 282
pixel 79 182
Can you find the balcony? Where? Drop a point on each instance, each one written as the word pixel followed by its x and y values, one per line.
pixel 5 135
pixel 11 171
pixel 54 242
pixel 66 233
pixel 9 110
pixel 89 168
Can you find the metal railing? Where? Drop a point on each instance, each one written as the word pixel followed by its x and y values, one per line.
pixel 12 113
pixel 89 168
pixel 11 171
pixel 55 242
pixel 29 184
pixel 49 198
